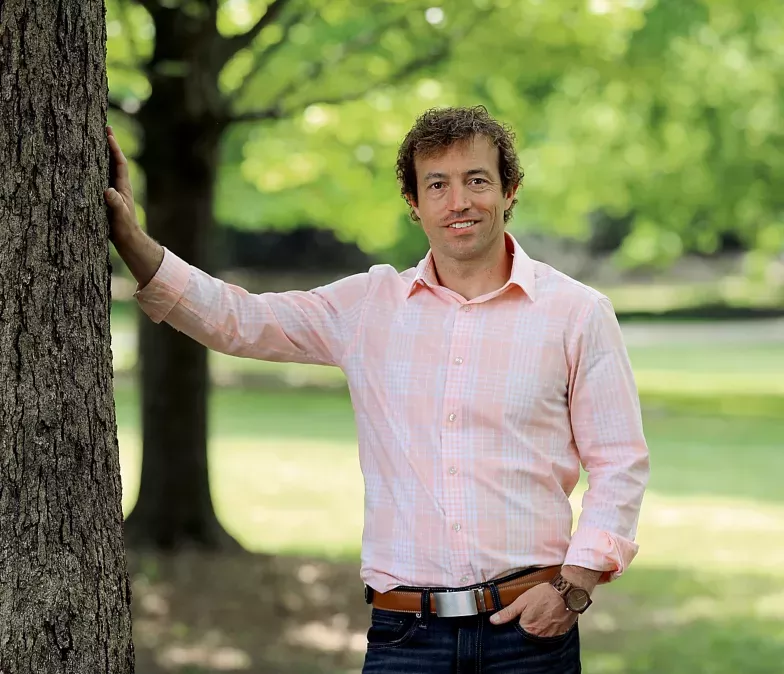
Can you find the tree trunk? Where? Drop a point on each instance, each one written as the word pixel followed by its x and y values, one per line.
pixel 174 509
pixel 64 589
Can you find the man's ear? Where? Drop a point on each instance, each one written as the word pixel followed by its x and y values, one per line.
pixel 413 204
pixel 509 196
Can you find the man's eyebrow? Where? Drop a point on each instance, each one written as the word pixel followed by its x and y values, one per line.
pixel 436 175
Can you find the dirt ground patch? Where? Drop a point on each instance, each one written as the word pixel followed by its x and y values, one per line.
pixel 195 613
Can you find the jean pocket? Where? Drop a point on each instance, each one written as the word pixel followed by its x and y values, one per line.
pixel 389 629
pixel 552 641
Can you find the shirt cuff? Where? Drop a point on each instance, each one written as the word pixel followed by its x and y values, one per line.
pixel 601 551
pixel 165 289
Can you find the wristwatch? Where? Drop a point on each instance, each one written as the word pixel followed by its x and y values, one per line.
pixel 576 599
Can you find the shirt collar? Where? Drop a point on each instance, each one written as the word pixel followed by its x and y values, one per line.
pixel 522 270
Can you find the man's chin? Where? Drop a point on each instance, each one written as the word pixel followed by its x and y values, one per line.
pixel 464 253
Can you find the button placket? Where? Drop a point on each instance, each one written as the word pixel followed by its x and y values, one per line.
pixel 455 410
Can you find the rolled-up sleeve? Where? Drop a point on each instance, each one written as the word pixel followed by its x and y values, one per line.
pixel 607 428
pixel 315 326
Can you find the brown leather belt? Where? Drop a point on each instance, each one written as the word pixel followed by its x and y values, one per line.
pixel 462 602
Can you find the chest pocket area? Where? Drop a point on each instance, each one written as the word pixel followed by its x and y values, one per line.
pixel 534 396
pixel 402 369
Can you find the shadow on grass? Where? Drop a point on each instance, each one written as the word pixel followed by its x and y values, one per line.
pixel 253 613
pixel 195 613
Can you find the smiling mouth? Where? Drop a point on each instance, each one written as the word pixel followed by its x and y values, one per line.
pixel 462 225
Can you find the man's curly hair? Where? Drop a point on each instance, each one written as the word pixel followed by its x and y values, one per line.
pixel 438 129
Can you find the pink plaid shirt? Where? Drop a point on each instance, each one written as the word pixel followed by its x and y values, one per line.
pixel 473 417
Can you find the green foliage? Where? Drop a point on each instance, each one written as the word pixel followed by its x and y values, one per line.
pixel 668 110
pixel 684 133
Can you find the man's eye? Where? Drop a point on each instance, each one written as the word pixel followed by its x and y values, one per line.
pixel 478 181
pixel 436 186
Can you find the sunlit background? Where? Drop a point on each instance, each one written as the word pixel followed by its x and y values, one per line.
pixel 652 140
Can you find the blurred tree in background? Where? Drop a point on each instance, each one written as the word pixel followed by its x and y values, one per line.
pixel 650 128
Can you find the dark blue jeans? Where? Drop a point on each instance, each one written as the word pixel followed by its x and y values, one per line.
pixel 401 643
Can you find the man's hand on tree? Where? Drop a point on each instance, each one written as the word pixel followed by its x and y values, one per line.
pixel 119 196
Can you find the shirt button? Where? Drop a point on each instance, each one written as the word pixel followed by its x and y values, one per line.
pixel 467 308
pixel 456 526
pixel 464 579
pixel 452 417
pixel 458 361
pixel 452 470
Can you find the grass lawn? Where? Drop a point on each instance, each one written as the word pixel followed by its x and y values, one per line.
pixel 705 594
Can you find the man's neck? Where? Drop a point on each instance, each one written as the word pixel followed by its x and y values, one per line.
pixel 472 279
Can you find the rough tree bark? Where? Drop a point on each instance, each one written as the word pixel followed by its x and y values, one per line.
pixel 64 588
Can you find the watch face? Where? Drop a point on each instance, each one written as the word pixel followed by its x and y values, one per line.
pixel 577 600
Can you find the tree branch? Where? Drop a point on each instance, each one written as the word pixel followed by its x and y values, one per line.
pixel 263 58
pixel 277 111
pixel 314 69
pixel 233 44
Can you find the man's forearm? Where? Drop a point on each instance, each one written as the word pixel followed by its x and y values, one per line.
pixel 581 577
pixel 142 254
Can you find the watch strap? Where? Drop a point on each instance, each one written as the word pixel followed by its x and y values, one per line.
pixel 561 585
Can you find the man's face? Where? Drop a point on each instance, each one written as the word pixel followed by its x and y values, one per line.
pixel 460 200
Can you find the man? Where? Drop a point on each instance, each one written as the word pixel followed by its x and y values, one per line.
pixel 480 380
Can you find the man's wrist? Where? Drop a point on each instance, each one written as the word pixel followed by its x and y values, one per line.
pixel 587 579
pixel 142 254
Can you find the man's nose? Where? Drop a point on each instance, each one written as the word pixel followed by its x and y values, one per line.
pixel 458 199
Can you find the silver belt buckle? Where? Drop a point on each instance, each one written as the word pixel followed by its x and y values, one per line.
pixel 457 604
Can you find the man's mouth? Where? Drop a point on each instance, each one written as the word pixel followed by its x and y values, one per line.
pixel 463 224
